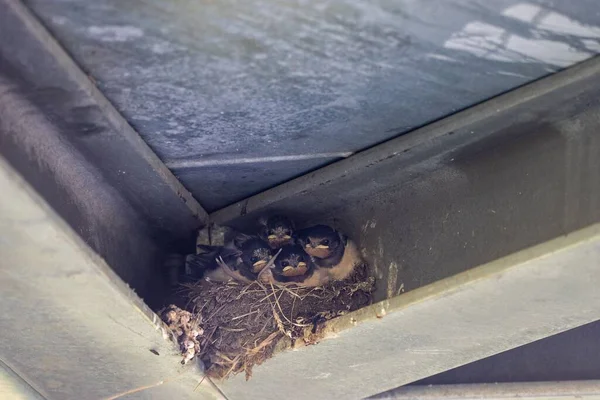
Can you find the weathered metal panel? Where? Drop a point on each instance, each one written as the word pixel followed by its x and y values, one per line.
pixel 34 69
pixel 223 82
pixel 565 356
pixel 70 327
pixel 12 386
pixel 484 311
pixel 566 390
pixel 228 180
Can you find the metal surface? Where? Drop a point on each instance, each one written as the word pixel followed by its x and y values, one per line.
pixel 64 137
pixel 239 96
pixel 34 69
pixel 486 310
pixel 70 327
pixel 529 390
pixel 509 173
pixel 13 387
pixel 565 356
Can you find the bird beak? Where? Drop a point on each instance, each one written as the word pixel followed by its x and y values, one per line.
pixel 287 237
pixel 288 268
pixel 301 265
pixel 322 246
pixel 260 264
pixel 272 237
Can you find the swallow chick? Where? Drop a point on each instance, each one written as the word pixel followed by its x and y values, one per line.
pixel 330 250
pixel 241 260
pixel 277 230
pixel 294 266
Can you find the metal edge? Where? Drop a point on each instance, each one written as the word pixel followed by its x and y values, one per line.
pixel 395 147
pixel 14 385
pixel 120 287
pixel 458 282
pixel 113 282
pixel 116 119
pixel 523 390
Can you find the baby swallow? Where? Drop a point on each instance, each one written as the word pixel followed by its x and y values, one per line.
pixel 294 266
pixel 330 250
pixel 242 260
pixel 277 230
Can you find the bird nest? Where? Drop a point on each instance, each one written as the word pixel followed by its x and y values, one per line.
pixel 241 325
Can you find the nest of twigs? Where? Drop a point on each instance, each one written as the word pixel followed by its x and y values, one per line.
pixel 185 329
pixel 242 324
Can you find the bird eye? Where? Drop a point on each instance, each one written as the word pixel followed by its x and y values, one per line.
pixel 287 232
pixel 254 259
pixel 285 263
pixel 271 232
pixel 325 242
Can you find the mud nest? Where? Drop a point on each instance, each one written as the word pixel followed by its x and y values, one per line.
pixel 242 324
pixel 185 330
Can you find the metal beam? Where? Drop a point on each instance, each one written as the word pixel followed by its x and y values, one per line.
pixel 70 327
pixel 563 390
pixel 241 98
pixel 515 300
pixel 508 174
pixel 448 134
pixel 12 386
pixel 41 72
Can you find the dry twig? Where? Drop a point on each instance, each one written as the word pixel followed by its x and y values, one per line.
pixel 243 323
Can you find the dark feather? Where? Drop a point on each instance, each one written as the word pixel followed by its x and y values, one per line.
pixel 236 255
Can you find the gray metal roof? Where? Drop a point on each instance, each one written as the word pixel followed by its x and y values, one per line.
pixel 238 96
